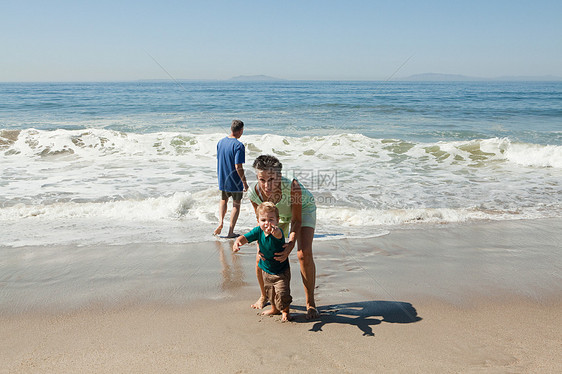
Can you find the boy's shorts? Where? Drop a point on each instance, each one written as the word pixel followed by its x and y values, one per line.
pixel 236 196
pixel 280 284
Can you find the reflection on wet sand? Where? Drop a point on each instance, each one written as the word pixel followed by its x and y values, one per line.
pixel 232 271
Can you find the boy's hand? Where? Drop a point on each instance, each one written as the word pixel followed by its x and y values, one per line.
pixel 276 232
pixel 269 229
pixel 236 246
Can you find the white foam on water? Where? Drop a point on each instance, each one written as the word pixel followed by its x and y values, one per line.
pixel 535 155
pixel 174 207
pixel 94 143
pixel 108 186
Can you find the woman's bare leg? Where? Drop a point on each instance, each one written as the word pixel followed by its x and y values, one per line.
pixel 308 269
pixel 262 301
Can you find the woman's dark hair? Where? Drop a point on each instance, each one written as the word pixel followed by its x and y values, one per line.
pixel 268 162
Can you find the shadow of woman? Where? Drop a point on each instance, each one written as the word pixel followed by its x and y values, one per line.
pixel 361 314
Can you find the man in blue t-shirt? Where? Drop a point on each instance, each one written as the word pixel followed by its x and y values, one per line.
pixel 231 156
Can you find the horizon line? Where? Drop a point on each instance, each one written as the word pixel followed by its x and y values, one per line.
pixel 261 78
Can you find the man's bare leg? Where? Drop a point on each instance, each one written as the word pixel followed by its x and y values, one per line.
pixel 222 213
pixel 308 270
pixel 233 218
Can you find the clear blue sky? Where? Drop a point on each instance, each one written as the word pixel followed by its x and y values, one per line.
pixel 209 39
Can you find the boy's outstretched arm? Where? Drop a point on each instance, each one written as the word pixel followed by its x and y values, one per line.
pixel 240 241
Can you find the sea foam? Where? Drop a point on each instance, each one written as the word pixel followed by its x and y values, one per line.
pixel 33 143
pixel 118 187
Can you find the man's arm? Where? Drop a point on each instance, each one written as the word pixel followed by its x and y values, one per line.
pixel 240 171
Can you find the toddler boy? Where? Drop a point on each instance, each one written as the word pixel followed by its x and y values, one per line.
pixel 276 275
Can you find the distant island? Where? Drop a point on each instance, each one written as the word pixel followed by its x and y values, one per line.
pixel 425 77
pixel 438 77
pixel 254 78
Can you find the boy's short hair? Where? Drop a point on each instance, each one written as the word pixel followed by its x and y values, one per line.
pixel 268 162
pixel 237 125
pixel 267 207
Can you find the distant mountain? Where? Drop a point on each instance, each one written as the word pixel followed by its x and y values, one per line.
pixel 254 78
pixel 437 77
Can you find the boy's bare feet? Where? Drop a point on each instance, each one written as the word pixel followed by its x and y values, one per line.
pixel 286 317
pixel 271 312
pixel 218 230
pixel 260 304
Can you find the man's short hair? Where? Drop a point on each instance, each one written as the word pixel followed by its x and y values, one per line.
pixel 266 207
pixel 268 162
pixel 237 125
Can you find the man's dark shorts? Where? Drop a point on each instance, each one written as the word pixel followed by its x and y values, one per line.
pixel 236 196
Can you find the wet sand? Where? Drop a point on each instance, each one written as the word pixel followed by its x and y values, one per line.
pixel 465 298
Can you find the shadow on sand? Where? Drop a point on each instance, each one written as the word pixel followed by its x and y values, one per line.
pixel 361 314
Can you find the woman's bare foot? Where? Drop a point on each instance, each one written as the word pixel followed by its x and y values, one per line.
pixel 286 317
pixel 312 313
pixel 232 235
pixel 261 303
pixel 218 230
pixel 271 312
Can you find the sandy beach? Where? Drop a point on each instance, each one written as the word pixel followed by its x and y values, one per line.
pixel 421 140
pixel 470 298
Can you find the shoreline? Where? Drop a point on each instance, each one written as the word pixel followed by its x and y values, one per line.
pixel 483 297
pixel 452 263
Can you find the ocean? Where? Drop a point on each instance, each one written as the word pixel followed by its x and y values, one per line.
pixel 134 162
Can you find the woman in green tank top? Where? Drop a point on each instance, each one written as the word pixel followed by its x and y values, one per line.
pixel 296 208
